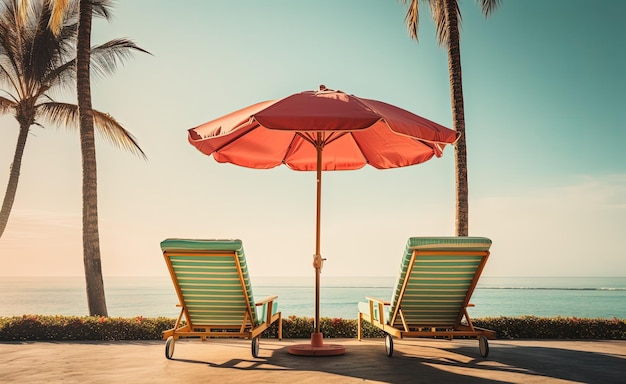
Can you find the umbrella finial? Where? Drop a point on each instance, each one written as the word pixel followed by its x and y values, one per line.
pixel 323 87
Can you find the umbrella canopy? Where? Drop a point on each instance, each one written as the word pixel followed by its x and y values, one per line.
pixel 352 131
pixel 319 131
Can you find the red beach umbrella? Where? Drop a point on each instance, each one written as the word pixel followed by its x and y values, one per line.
pixel 322 130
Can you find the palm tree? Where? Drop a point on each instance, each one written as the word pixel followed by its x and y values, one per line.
pixel 91 237
pixel 91 234
pixel 447 16
pixel 33 62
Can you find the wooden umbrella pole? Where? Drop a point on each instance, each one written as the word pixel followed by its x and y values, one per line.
pixel 317 263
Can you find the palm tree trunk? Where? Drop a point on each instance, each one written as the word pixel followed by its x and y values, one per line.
pixel 9 196
pixel 91 242
pixel 458 113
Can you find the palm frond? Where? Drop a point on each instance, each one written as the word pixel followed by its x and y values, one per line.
pixel 102 9
pixel 62 115
pixel 117 135
pixel 412 18
pixel 105 57
pixel 65 115
pixel 61 77
pixel 11 26
pixel 9 19
pixel 41 48
pixel 438 13
pixel 488 6
pixel 30 54
pixel 23 10
pixel 6 105
pixel 48 50
pixel 59 10
pixel 8 77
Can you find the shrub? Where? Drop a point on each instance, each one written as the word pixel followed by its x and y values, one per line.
pixel 302 327
pixel 33 327
pixel 531 327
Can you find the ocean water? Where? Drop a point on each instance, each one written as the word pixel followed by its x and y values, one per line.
pixel 583 297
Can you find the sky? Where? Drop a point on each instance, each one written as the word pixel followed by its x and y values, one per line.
pixel 543 87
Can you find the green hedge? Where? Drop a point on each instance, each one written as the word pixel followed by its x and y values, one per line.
pixel 302 327
pixel 31 328
pixel 531 327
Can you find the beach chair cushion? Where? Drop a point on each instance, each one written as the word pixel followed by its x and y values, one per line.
pixel 438 286
pixel 207 278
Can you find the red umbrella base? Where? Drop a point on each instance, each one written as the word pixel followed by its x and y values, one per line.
pixel 317 348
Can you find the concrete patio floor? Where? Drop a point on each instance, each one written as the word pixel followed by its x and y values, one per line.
pixel 230 361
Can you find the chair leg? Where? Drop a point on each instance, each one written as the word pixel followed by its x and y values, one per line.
pixel 358 329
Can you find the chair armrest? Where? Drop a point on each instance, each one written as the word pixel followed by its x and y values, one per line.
pixel 379 301
pixel 266 300
pixel 378 304
pixel 268 307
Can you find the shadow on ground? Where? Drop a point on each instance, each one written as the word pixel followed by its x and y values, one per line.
pixel 415 361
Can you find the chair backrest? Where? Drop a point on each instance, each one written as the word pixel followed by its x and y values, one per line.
pixel 437 278
pixel 211 280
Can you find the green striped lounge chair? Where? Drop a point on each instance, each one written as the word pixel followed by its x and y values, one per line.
pixel 436 281
pixel 214 292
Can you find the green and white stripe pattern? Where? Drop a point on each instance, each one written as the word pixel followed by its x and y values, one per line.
pixel 439 285
pixel 208 280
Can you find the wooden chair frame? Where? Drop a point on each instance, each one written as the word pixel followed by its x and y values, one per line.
pixel 376 311
pixel 246 328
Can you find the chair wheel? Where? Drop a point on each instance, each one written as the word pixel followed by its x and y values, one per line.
pixel 169 347
pixel 388 345
pixel 255 347
pixel 483 346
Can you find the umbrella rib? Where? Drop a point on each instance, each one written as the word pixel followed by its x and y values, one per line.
pixel 358 145
pixel 311 140
pixel 334 136
pixel 291 144
pixel 238 136
pixel 306 138
pixel 288 150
